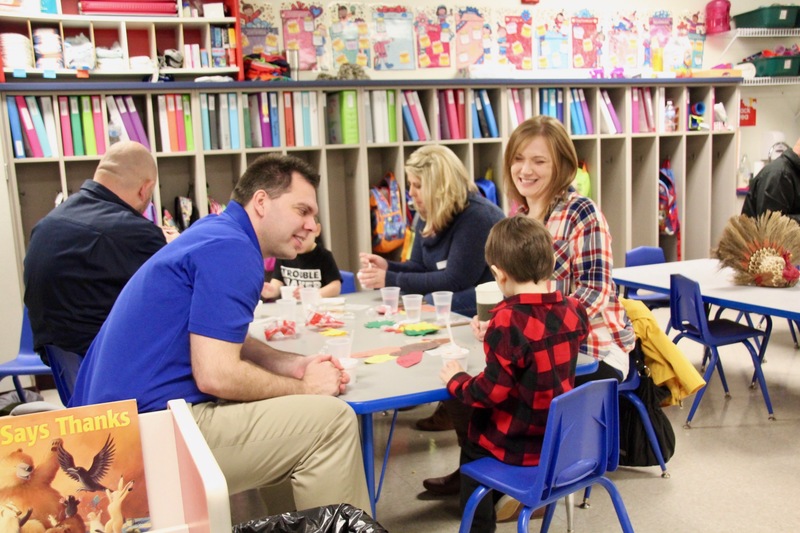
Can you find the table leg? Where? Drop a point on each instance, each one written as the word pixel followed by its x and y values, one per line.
pixel 368 451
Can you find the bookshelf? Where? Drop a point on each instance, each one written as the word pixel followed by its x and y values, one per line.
pixel 137 36
pixel 624 166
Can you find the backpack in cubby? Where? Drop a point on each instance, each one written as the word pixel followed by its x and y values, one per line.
pixel 387 216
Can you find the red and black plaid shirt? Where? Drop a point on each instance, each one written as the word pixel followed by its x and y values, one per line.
pixel 531 350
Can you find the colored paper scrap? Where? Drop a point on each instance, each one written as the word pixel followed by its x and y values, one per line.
pixel 376 324
pixel 380 358
pixel 410 359
pixel 333 333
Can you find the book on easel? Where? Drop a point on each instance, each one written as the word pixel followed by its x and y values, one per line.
pixel 82 458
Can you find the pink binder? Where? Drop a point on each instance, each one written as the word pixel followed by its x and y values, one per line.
pixel 136 121
pixel 179 124
pixel 99 126
pixel 66 130
pixel 28 130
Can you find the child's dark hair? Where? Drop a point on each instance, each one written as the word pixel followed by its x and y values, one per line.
pixel 522 247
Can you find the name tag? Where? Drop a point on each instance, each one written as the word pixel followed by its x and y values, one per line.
pixel 441 265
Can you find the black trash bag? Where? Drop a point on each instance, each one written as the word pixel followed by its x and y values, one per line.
pixel 634 446
pixel 341 518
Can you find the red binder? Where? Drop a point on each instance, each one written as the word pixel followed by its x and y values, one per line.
pixel 288 115
pixel 28 130
pixel 157 7
pixel 66 131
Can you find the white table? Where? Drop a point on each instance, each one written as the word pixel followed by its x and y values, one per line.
pixel 387 386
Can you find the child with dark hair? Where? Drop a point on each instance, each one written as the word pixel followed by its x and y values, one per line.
pixel 531 347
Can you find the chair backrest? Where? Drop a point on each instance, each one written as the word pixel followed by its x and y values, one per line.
pixel 65 367
pixel 686 310
pixel 581 439
pixel 642 255
pixel 348 282
pixel 26 337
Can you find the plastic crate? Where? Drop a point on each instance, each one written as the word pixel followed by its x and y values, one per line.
pixel 768 17
pixel 777 66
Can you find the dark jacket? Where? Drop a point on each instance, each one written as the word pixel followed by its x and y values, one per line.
pixel 776 188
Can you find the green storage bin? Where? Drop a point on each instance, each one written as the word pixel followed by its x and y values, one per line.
pixel 777 66
pixel 768 17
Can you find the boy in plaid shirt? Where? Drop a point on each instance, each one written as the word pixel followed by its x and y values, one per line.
pixel 531 347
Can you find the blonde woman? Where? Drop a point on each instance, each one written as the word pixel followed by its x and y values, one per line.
pixel 454 224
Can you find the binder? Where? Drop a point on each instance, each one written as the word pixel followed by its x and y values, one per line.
pixel 49 122
pixel 513 101
pixel 29 138
pixel 487 109
pixel 333 111
pixel 297 110
pixel 163 123
pixel 368 116
pixel 213 122
pixel 119 103
pixel 380 129
pixel 484 126
pixel 224 119
pixel 77 130
pixel 288 116
pixel 441 114
pixel 204 122
pixel 408 120
pixel 188 127
pixel 587 116
pixel 274 118
pixel 66 132
pixel 544 102
pixel 38 126
pixel 611 110
pixel 391 114
pixel 16 128
pixel 648 109
pixel 99 124
pixel 575 125
pixel 136 121
pixel 233 113
pixel 306 108
pixel 180 128
pixel 421 112
pixel 461 112
pixel 313 114
pixel 349 110
pixel 265 124
pixel 246 125
pixel 254 123
pixel 607 125
pixel 643 127
pixel 635 110
pixel 560 105
pixel 415 114
pixel 87 121
pixel 172 124
pixel 526 98
pixel 551 110
pixel 115 117
pixel 476 128
pixel 452 114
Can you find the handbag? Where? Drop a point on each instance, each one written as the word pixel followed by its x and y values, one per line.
pixel 634 446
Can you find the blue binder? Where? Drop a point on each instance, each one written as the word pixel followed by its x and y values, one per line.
pixel 16 128
pixel 487 109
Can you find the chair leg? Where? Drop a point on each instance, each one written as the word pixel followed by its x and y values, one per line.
pixel 648 428
pixel 586 493
pixel 20 390
pixel 722 374
pixel 619 505
pixel 699 396
pixel 761 380
pixel 546 519
pixel 569 502
pixel 792 325
pixel 469 509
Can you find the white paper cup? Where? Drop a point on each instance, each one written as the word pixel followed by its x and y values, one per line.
pixel 391 297
pixel 287 292
pixel 309 296
pixel 442 301
pixel 487 296
pixel 350 365
pixel 339 347
pixel 412 303
pixel 287 309
pixel 457 354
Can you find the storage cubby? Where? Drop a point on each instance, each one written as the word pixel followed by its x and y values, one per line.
pixel 644 192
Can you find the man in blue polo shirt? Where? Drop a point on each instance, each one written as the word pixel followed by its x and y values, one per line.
pixel 179 330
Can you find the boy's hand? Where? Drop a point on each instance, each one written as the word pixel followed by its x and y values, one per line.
pixel 479 327
pixel 450 369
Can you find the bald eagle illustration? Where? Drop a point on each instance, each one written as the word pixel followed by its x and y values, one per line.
pixel 89 479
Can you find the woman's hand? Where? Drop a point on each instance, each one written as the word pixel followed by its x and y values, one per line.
pixel 372 260
pixel 450 369
pixel 373 271
pixel 479 327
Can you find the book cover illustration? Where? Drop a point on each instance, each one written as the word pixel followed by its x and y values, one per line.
pixel 435 33
pixel 587 40
pixel 691 39
pixel 305 31
pixel 349 35
pixel 259 28
pixel 77 469
pixel 473 38
pixel 393 38
pixel 552 35
pixel 515 40
pixel 656 35
pixel 623 41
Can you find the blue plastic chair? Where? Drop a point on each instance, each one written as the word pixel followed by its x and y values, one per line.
pixel 688 317
pixel 348 282
pixel 65 367
pixel 27 362
pixel 645 255
pixel 581 443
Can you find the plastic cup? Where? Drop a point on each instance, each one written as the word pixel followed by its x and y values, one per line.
pixel 412 303
pixel 442 301
pixel 339 347
pixel 487 295
pixel 457 354
pixel 391 297
pixel 287 292
pixel 350 365
pixel 287 309
pixel 309 296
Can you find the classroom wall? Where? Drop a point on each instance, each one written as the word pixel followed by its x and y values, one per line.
pixel 778 109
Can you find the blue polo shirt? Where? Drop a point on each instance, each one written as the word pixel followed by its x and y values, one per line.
pixel 208 282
